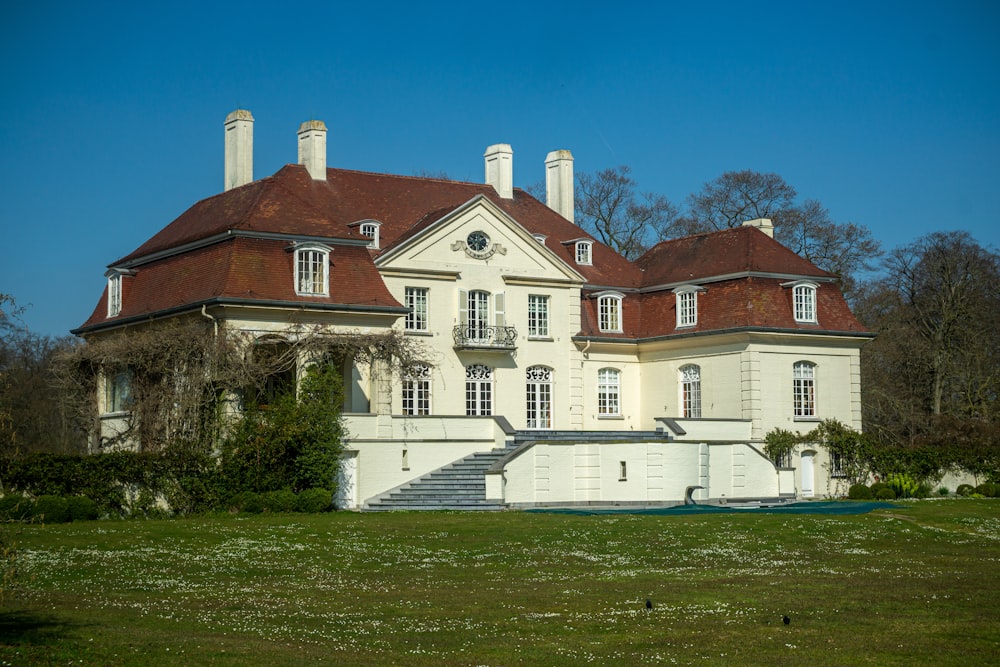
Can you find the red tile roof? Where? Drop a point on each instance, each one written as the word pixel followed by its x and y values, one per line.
pixel 206 255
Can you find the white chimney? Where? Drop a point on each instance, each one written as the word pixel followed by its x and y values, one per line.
pixel 500 169
pixel 763 224
pixel 312 148
pixel 239 148
pixel 559 183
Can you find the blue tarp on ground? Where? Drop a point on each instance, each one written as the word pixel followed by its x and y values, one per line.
pixel 808 507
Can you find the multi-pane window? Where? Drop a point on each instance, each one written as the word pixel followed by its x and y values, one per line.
pixel 370 229
pixel 805 302
pixel 609 392
pixel 690 391
pixel 583 252
pixel 478 390
pixel 114 294
pixel 538 316
pixel 311 274
pixel 687 308
pixel 609 313
pixel 539 397
pixel 477 326
pixel 118 392
pixel 415 299
pixel 804 388
pixel 417 391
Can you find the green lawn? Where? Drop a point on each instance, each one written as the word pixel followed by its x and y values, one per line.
pixel 913 585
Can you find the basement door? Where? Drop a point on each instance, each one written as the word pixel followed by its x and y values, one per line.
pixel 808 478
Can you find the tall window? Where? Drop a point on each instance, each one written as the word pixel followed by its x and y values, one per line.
pixel 538 316
pixel 609 313
pixel 479 316
pixel 114 294
pixel 370 229
pixel 539 395
pixel 687 308
pixel 609 392
pixel 416 300
pixel 690 392
pixel 478 390
pixel 118 392
pixel 804 296
pixel 417 391
pixel 583 252
pixel 311 275
pixel 804 388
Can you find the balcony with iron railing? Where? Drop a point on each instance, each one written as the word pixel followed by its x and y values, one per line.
pixel 483 337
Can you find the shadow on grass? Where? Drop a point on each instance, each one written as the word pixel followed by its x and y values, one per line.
pixel 26 627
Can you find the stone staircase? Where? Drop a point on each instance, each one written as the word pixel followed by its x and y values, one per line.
pixel 457 486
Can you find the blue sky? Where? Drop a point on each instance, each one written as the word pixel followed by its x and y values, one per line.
pixel 111 126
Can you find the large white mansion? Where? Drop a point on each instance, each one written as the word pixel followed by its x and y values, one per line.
pixel 590 378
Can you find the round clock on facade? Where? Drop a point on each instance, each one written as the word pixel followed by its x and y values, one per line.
pixel 478 241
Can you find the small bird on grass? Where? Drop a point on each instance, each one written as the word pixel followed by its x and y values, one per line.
pixel 649 603
pixel 786 620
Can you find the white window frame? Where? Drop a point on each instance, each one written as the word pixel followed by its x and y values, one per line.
pixel 478 390
pixel 609 313
pixel 310 259
pixel 609 382
pixel 690 391
pixel 416 299
pixel 804 302
pixel 585 252
pixel 804 390
pixel 416 391
pixel 538 407
pixel 370 228
pixel 538 316
pixel 118 392
pixel 114 293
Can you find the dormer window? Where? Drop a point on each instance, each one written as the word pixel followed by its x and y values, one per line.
pixel 803 300
pixel 114 293
pixel 687 305
pixel 609 312
pixel 312 276
pixel 370 229
pixel 540 238
pixel 583 252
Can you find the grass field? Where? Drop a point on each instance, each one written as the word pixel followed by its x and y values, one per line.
pixel 914 585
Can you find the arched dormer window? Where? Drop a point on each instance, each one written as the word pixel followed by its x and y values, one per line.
pixel 115 290
pixel 687 305
pixel 312 275
pixel 584 252
pixel 369 228
pixel 609 312
pixel 803 300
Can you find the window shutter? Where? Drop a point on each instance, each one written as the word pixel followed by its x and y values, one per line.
pixel 463 307
pixel 499 318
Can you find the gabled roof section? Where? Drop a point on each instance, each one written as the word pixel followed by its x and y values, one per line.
pixel 291 203
pixel 731 252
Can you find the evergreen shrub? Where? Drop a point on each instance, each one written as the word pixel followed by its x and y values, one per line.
pixel 316 500
pixel 859 492
pixel 280 501
pixel 987 489
pixel 15 507
pixel 885 493
pixel 51 509
pixel 964 490
pixel 82 508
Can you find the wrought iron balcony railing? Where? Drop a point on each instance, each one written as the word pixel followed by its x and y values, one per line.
pixel 480 336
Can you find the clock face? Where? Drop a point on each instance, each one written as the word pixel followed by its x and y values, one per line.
pixel 478 241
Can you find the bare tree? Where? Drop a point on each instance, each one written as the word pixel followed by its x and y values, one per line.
pixel 609 206
pixel 735 197
pixel 936 311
